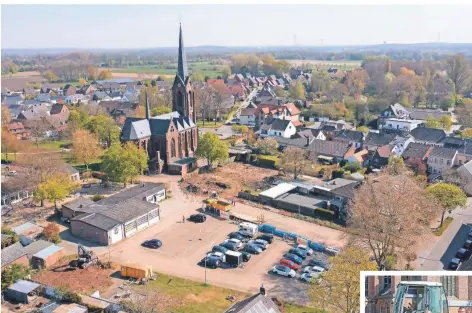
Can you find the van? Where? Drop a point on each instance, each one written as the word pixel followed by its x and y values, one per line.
pixel 248 229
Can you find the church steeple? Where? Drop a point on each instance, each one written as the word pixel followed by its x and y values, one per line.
pixel 148 112
pixel 182 69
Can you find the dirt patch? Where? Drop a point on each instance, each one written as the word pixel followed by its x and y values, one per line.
pixel 236 177
pixel 18 83
pixel 83 281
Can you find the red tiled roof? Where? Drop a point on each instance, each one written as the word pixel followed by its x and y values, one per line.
pixel 384 151
pixel 292 108
pixel 297 123
pixel 213 81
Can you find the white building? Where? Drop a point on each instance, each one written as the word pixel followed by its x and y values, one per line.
pixel 278 128
pixel 401 124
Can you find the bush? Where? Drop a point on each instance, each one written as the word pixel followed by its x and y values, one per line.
pixel 13 273
pixel 51 233
pixel 352 167
pixel 342 163
pixel 96 198
pixel 267 161
pixel 338 173
pixel 440 230
pixel 13 237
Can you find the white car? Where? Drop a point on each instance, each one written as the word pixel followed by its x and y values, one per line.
pixel 218 255
pixel 313 269
pixel 307 277
pixel 308 250
pixel 237 242
pixel 283 271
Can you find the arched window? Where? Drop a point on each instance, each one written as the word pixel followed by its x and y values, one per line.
pixel 180 146
pixel 172 148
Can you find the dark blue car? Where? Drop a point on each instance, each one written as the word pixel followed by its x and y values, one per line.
pixel 253 249
pixel 318 262
pixel 299 252
pixel 237 235
pixel 210 262
pixel 219 249
pixel 294 258
pixel 229 245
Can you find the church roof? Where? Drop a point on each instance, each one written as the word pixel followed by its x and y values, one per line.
pixel 182 69
pixel 140 129
pixel 167 116
pixel 159 127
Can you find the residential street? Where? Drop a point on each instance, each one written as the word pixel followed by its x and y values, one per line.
pixel 443 251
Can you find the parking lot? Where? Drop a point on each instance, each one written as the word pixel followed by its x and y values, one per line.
pixel 186 244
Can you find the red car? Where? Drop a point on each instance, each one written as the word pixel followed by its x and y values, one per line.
pixel 290 264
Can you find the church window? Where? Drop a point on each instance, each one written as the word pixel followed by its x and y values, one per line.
pixel 172 148
pixel 180 147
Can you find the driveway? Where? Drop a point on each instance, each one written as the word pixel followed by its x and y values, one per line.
pixel 453 238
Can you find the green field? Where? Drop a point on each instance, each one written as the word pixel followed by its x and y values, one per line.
pixel 185 296
pixel 205 68
pixel 340 64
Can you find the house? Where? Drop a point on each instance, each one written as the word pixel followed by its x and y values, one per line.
pixel 330 129
pixel 423 114
pixel 427 135
pixel 15 99
pixel 361 157
pixel 74 99
pixel 130 97
pixel 14 254
pixel 395 110
pixel 86 89
pixel 59 108
pixel 72 171
pixel 286 111
pixel 255 304
pixel 22 291
pixel 465 171
pixel 15 188
pixel 247 116
pixel 17 129
pixel 441 159
pixel 117 217
pixel 277 128
pixel 330 151
pixel 353 137
pixel 381 156
pixel 111 87
pixel 339 190
pixel 400 143
pixel 416 156
pixel 398 124
pixel 69 90
pixel 463 146
pixel 47 257
pixel 28 232
pixel 375 140
pixel 29 92
pixel 301 139
pixel 100 95
pixel 54 307
pixel 44 97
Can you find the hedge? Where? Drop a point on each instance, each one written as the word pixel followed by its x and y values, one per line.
pixel 440 230
pixel 267 161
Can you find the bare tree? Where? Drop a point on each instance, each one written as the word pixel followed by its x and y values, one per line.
pixel 296 160
pixel 458 70
pixel 204 102
pixel 388 216
pixel 37 128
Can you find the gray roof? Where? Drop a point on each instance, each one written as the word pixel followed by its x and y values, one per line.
pixel 432 135
pixel 137 192
pixel 12 253
pixel 166 116
pixel 422 114
pixel 140 129
pixel 69 169
pixel 97 220
pixel 351 135
pixel 37 246
pixel 279 124
pixel 48 251
pixel 12 100
pixel 441 152
pixel 24 286
pixel 254 304
pixel 159 127
pixel 299 141
pixel 247 111
pixel 416 150
pixel 78 203
pixel 374 139
pixel 329 148
pixel 346 191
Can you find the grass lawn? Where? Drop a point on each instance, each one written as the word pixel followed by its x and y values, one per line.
pixel 197 298
pixel 209 124
pixel 53 145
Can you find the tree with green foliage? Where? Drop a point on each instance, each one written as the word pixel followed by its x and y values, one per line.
pixel 466 133
pixel 353 167
pixel 446 122
pixel 197 77
pixel 50 76
pixel 212 149
pixel 363 129
pixel 123 163
pixel 226 72
pixel 160 110
pixel 104 128
pixel 396 166
pixel 11 239
pixel 105 74
pixel 431 122
pixel 13 273
pixel 85 147
pixel 297 91
pixel 338 289
pixel 448 196
pixel 266 146
pixel 56 188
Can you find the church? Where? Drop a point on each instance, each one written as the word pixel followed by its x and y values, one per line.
pixel 171 139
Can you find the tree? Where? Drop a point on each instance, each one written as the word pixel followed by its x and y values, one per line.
pixel 92 72
pixel 464 114
pixel 226 72
pixel 396 166
pixel 212 149
pixel 14 273
pixel 123 163
pixel 50 76
pixel 297 91
pixel 266 146
pixel 448 196
pixel 466 133
pixel 363 129
pixel 10 144
pixel 339 289
pixel 85 146
pixel 446 122
pixel 6 116
pixel 37 128
pixel 160 110
pixel 388 215
pixel 56 188
pixel 279 91
pixel 295 160
pixel 11 239
pixel 458 70
pixel 431 122
pixel 82 81
pixel 204 103
pixel 197 77
pixel 355 81
pixel 105 74
pixel 320 81
pixel 51 233
pixel 104 128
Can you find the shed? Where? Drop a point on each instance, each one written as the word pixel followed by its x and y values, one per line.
pixel 28 230
pixel 22 291
pixel 136 270
pixel 47 256
pixel 70 308
pixel 277 191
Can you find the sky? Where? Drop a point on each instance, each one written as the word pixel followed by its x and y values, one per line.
pixel 148 26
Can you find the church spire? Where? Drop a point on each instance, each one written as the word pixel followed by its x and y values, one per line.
pixel 148 112
pixel 182 69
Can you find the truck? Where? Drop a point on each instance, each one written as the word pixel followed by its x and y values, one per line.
pixel 248 229
pixel 234 258
pixel 218 204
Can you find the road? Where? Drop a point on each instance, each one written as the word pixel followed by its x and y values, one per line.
pixel 245 103
pixel 444 250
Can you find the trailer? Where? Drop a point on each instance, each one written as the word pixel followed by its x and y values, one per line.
pixel 137 271
pixel 234 258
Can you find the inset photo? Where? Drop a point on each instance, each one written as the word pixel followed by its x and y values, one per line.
pixel 416 292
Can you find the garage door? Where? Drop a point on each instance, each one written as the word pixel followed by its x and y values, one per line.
pixel 130 228
pixel 142 222
pixel 153 217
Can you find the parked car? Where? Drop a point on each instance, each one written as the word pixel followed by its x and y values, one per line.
pixel 307 277
pixel 246 256
pixel 267 237
pixel 210 262
pixel 261 243
pixel 316 269
pixel 219 249
pixel 290 264
pixel 229 245
pixel 237 242
pixel 293 257
pixel 299 252
pixel 454 264
pixel 308 250
pixel 468 244
pixel 283 271
pixel 470 234
pixel 197 218
pixel 253 249
pixel 153 244
pixel 237 235
pixel 219 255
pixel 318 262
pixel 462 253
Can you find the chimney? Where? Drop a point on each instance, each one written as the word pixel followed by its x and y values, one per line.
pixel 307 141
pixel 262 290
